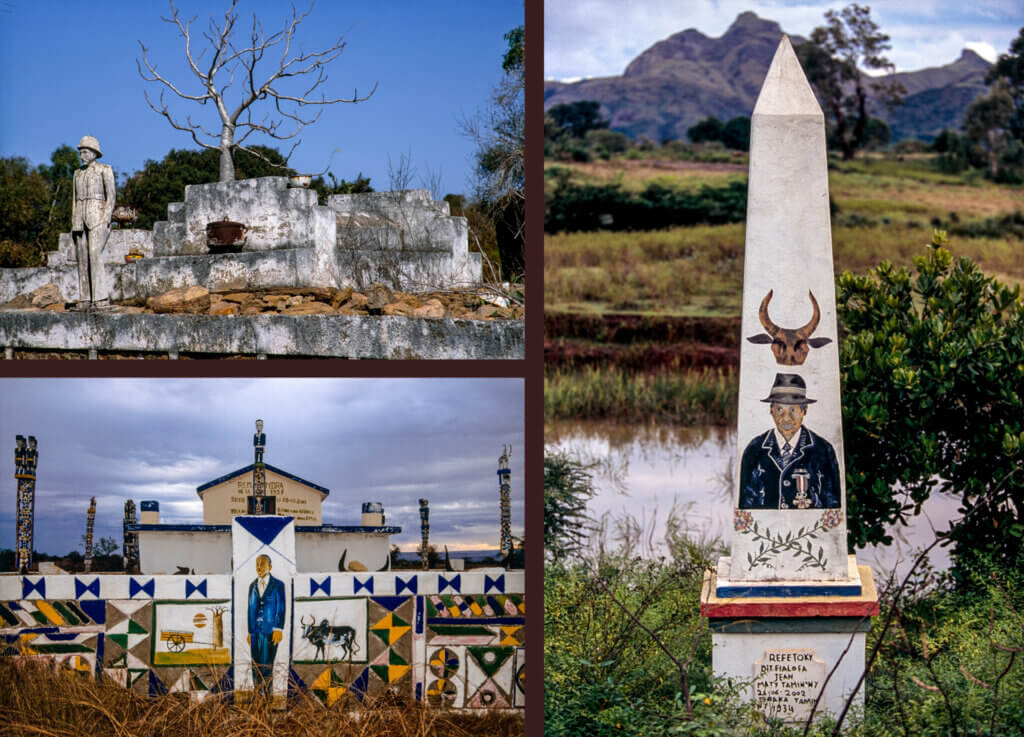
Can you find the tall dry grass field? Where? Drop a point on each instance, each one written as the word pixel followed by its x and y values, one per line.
pixel 36 700
pixel 886 210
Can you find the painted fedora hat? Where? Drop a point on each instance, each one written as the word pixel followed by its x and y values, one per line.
pixel 788 389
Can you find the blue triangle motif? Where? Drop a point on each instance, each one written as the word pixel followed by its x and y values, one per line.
pixel 495 583
pixel 156 686
pixel 134 587
pixel 455 582
pixel 357 584
pixel 295 684
pixel 191 588
pixel 226 684
pixel 324 586
pixel 391 603
pixel 412 584
pixel 95 609
pixel 265 527
pixel 81 587
pixel 27 587
pixel 361 684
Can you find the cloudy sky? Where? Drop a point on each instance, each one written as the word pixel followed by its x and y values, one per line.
pixel 68 69
pixel 594 38
pixel 387 440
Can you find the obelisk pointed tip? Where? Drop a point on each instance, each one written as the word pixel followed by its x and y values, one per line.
pixel 786 90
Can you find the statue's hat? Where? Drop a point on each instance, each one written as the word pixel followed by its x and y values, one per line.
pixel 90 142
pixel 788 389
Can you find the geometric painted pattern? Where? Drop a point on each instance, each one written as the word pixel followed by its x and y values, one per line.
pixel 456 606
pixel 328 687
pixel 461 647
pixel 390 628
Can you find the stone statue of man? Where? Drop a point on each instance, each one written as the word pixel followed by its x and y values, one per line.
pixel 92 198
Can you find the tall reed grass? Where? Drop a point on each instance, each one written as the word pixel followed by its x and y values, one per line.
pixel 690 397
pixel 50 702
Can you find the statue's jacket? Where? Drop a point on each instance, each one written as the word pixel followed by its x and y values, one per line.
pixel 767 482
pixel 92 196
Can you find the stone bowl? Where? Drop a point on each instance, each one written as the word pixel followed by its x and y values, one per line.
pixel 124 214
pixel 225 236
pixel 300 180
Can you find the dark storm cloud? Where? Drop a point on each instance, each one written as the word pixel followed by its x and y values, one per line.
pixel 387 440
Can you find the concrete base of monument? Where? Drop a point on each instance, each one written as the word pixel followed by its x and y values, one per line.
pixel 726 587
pixel 791 650
pixel 334 336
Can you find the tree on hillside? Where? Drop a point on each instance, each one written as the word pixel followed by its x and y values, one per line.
pixel 736 133
pixel 995 123
pixel 988 122
pixel 236 64
pixel 576 118
pixel 709 129
pixel 500 136
pixel 1009 68
pixel 160 183
pixel 832 59
pixel 932 379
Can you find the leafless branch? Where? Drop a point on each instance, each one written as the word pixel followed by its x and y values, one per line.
pixel 162 110
pixel 228 59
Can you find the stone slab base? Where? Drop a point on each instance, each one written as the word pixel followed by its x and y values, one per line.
pixel 788 651
pixel 725 587
pixel 786 671
pixel 328 336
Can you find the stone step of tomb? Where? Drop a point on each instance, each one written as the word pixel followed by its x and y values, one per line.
pixel 176 212
pixel 409 208
pixel 121 241
pixel 167 237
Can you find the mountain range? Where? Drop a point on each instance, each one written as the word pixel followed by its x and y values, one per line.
pixel 689 76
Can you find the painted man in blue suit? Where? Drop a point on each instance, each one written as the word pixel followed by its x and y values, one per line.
pixel 266 622
pixel 789 467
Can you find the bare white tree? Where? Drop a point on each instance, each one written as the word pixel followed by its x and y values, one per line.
pixel 229 61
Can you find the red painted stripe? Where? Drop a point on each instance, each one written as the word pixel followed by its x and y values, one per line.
pixel 790 609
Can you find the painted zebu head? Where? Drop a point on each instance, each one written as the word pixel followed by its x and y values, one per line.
pixel 789 345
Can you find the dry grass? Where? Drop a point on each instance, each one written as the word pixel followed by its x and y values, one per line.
pixel 36 700
pixel 637 174
pixel 887 209
pixel 705 397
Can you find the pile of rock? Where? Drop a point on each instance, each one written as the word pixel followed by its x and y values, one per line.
pixel 377 300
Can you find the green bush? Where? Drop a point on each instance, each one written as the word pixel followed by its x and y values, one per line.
pixel 933 371
pixel 586 207
pixel 946 665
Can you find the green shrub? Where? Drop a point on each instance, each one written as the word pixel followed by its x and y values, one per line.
pixel 586 207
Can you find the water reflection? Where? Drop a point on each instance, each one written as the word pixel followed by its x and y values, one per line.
pixel 641 471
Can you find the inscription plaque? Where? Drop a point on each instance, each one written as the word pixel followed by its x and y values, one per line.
pixel 787 681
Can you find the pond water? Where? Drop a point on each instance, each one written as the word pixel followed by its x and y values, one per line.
pixel 643 471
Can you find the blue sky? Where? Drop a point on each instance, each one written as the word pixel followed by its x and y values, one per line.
pixel 595 38
pixel 68 69
pixel 387 440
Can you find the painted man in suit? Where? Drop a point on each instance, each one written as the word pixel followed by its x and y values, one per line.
pixel 789 467
pixel 266 622
pixel 92 205
pixel 259 441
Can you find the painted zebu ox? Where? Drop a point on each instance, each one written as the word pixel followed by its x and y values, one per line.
pixel 324 634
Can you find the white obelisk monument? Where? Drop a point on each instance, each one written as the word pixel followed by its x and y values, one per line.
pixel 788 601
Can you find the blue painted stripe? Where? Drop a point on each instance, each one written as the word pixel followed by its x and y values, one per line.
pixel 322 529
pixel 788 591
pixel 476 620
